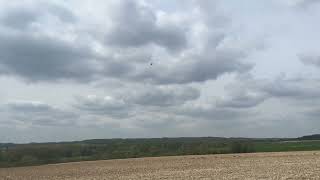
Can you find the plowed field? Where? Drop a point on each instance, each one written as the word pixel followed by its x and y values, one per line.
pixel 291 165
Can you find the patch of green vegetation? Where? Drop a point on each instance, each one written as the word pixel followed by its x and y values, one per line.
pixel 287 146
pixel 12 155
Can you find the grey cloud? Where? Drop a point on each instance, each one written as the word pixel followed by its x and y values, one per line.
pixel 38 114
pixel 127 103
pixel 35 56
pixel 28 106
pixel 245 100
pixel 209 66
pixel 292 88
pixel 310 59
pixel 117 69
pixel 32 55
pixel 203 45
pixel 212 60
pixel 250 92
pixel 42 58
pixel 20 17
pixel 311 114
pixel 108 105
pixel 210 112
pixel 156 121
pixel 211 13
pixel 47 59
pixel 306 3
pixel 136 25
pixel 63 13
pixel 196 68
pixel 162 96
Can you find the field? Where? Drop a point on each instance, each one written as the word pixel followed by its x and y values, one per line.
pixel 16 155
pixel 48 153
pixel 282 165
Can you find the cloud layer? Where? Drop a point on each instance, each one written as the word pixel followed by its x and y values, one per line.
pixel 104 69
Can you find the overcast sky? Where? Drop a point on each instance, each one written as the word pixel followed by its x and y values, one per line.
pixel 72 70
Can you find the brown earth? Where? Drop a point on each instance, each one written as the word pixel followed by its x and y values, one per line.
pixel 291 165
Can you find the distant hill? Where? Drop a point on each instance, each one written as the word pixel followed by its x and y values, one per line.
pixel 310 137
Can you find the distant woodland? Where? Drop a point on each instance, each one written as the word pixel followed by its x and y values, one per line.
pixel 12 155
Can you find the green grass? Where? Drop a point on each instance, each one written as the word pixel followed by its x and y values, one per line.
pixel 12 155
pixel 287 146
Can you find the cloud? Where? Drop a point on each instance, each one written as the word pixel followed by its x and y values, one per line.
pixel 129 103
pixel 162 96
pixel 311 114
pixel 249 92
pixel 246 92
pixel 194 68
pixel 45 59
pixel 28 106
pixel 242 100
pixel 209 111
pixel 21 17
pixel 214 67
pixel 108 106
pixel 310 59
pixel 36 49
pixel 134 24
pixel 306 3
pixel 32 113
pixel 292 88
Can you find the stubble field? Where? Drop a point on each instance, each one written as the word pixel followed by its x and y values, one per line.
pixel 290 165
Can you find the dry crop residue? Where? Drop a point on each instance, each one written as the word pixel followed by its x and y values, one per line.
pixel 291 165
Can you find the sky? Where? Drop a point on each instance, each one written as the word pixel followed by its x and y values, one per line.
pixel 74 70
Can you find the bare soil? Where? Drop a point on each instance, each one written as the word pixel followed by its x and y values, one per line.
pixel 290 165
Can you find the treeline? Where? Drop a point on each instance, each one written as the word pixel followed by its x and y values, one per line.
pixel 37 154
pixel 310 137
pixel 12 155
